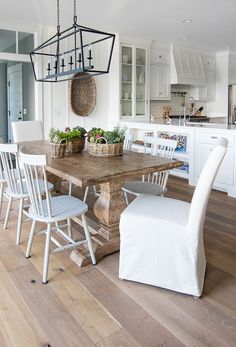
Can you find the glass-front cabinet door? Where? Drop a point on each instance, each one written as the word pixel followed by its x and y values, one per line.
pixel 127 82
pixel 134 98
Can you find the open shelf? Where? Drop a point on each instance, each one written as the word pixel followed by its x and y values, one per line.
pixel 179 173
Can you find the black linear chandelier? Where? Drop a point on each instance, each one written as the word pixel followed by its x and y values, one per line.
pixel 71 51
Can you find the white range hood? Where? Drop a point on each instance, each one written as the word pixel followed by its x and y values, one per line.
pixel 186 67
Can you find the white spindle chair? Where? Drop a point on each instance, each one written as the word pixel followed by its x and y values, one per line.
pixel 51 210
pixel 162 238
pixel 128 142
pixel 154 184
pixel 16 185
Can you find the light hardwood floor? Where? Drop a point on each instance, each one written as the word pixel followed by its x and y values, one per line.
pixel 92 307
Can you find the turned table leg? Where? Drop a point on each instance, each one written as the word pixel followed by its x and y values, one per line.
pixel 107 209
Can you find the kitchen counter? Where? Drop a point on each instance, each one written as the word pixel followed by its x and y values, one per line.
pixel 154 124
pixel 199 139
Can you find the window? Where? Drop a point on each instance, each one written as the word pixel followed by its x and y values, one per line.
pixel 7 41
pixel 19 42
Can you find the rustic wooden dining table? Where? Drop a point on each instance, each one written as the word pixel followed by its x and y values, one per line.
pixel 110 174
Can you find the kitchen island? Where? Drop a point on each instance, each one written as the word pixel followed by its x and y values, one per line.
pixel 197 140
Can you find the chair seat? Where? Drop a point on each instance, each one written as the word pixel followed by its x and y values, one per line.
pixel 159 208
pixel 139 187
pixel 63 207
pixel 24 193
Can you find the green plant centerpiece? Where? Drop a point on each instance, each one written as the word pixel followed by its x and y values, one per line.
pixel 58 143
pixel 75 139
pixel 102 143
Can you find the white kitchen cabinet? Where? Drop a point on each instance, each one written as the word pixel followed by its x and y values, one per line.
pixel 206 91
pixel 159 74
pixel 159 56
pixel 159 82
pixel 134 83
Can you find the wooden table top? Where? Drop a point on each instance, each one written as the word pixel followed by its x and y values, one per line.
pixel 83 169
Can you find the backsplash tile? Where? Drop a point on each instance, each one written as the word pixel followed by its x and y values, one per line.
pixel 156 107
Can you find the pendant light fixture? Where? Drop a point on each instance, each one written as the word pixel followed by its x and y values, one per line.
pixel 72 50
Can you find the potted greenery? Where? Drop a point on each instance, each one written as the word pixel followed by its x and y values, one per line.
pixel 58 143
pixel 103 143
pixel 75 139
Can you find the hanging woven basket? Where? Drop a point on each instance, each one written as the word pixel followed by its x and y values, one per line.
pixel 83 94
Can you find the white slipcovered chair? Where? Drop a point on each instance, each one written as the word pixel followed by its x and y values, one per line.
pixel 16 185
pixel 51 210
pixel 27 131
pixel 155 183
pixel 162 238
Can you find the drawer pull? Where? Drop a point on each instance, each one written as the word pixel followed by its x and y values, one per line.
pixel 214 137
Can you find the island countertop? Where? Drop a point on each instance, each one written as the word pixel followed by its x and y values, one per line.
pixel 176 127
pixel 198 139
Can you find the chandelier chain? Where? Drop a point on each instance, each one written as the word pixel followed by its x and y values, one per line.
pixel 58 13
pixel 74 8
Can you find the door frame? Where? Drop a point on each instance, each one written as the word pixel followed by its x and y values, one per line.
pixel 10 70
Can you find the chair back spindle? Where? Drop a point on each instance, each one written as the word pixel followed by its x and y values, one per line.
pixel 32 165
pixel 128 142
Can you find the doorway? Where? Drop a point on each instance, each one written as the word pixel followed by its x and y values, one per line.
pixel 17 87
pixel 17 95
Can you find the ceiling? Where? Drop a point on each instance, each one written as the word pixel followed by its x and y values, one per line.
pixel 213 21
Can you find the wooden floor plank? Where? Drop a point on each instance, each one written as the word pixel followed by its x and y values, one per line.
pixel 18 326
pixel 119 338
pixel 140 325
pixel 161 305
pixel 50 313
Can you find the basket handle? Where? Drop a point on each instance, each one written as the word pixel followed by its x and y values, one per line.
pixel 63 140
pixel 99 139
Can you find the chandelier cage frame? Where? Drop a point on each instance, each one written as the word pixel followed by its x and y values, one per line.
pixel 56 68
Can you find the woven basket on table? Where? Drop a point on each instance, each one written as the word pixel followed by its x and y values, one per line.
pixel 75 146
pixel 58 150
pixel 105 149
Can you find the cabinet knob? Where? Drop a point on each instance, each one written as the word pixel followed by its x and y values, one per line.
pixel 160 56
pixel 159 93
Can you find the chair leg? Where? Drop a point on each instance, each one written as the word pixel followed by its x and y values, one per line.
pixel 126 198
pixel 87 235
pixel 69 228
pixel 95 191
pixel 7 213
pixel 86 194
pixel 30 241
pixel 19 223
pixel 46 254
pixel 1 197
pixel 70 188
